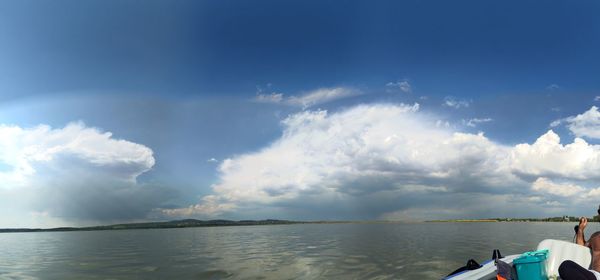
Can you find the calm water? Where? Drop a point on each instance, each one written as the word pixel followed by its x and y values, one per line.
pixel 338 251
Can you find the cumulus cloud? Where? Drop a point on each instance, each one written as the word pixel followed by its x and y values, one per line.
pixel 565 189
pixel 476 121
pixel 394 162
pixel 575 193
pixel 547 157
pixel 377 155
pixel 22 149
pixel 586 124
pixel 403 86
pixel 452 102
pixel 75 172
pixel 308 99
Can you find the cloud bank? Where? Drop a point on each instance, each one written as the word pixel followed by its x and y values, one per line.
pixel 393 161
pixel 75 173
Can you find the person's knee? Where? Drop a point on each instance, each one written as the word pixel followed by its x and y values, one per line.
pixel 566 266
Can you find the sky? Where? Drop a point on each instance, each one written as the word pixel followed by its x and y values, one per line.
pixel 127 111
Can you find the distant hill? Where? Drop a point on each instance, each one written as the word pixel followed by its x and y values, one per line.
pixel 151 225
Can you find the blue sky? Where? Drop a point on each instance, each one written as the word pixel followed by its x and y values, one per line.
pixel 201 82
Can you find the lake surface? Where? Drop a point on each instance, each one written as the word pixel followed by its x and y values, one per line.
pixel 302 251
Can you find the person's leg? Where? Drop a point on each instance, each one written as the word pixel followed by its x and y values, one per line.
pixel 569 270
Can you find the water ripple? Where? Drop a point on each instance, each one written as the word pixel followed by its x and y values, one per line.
pixel 308 251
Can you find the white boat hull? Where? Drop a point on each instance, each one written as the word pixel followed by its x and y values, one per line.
pixel 487 271
pixel 559 251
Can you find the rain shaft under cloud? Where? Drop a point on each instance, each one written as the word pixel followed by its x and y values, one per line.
pixel 75 173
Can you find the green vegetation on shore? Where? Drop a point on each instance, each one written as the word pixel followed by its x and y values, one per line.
pixel 215 223
pixel 190 223
pixel 156 225
pixel 551 219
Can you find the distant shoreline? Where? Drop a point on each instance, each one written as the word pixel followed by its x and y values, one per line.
pixel 463 221
pixel 188 223
pixel 565 219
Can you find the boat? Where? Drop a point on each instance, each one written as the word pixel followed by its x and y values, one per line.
pixel 558 251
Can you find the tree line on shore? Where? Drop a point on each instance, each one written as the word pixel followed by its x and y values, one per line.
pixel 550 219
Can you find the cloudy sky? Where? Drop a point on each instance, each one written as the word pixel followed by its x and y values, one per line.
pixel 121 111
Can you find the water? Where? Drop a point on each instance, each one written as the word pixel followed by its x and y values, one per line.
pixel 303 251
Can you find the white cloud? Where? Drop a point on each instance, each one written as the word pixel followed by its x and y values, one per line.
pixel 321 95
pixel 364 152
pixel 269 98
pixel 308 99
pixel 553 87
pixel 575 193
pixel 403 86
pixel 597 98
pixel 548 158
pixel 75 171
pixel 394 161
pixel 556 123
pixel 593 194
pixel 586 124
pixel 452 102
pixel 475 121
pixel 23 149
pixel 210 205
pixel 565 189
pixel 212 160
